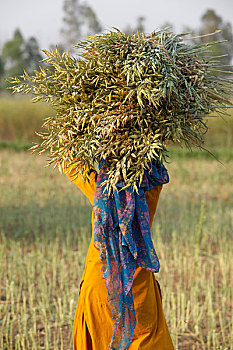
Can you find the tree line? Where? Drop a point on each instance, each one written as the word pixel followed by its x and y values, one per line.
pixel 80 21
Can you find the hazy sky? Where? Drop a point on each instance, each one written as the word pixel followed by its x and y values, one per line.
pixel 43 18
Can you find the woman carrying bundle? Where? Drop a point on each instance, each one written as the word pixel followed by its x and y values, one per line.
pixel 118 105
pixel 121 232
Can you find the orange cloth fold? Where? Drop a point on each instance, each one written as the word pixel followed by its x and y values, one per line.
pixel 92 328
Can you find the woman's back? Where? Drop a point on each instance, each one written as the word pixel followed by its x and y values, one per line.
pixel 93 319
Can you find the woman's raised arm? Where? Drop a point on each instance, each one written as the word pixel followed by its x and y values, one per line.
pixel 87 187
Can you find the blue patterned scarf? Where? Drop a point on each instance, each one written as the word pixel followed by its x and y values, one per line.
pixel 122 235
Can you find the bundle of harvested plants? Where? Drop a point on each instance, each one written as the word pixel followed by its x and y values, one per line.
pixel 124 98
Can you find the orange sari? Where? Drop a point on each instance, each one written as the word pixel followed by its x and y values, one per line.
pixel 92 328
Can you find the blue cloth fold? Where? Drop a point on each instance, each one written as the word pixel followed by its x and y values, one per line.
pixel 122 235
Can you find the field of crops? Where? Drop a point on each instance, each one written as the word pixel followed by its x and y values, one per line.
pixel 45 232
pixel 45 227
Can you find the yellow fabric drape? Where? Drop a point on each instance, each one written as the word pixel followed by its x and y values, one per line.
pixel 92 328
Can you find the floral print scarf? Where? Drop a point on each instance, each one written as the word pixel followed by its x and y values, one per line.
pixel 122 235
